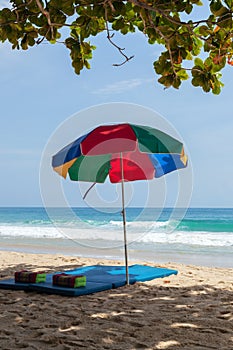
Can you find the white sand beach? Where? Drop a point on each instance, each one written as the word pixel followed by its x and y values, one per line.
pixel 191 310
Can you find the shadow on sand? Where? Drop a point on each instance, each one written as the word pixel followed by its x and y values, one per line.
pixel 140 316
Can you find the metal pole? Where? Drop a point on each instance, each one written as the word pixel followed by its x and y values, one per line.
pixel 124 220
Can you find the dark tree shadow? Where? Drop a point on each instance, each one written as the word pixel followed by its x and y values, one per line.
pixel 139 316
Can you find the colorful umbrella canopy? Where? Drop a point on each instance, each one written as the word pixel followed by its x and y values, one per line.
pixel 124 152
pixel 146 153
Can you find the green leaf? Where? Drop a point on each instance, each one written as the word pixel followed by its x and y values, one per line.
pixel 176 83
pixel 78 66
pixel 204 30
pixel 87 64
pixel 118 24
pixel 217 89
pixel 189 9
pixel 182 74
pixel 199 63
pixel 196 81
pixel 208 63
pixel 217 8
pixel 24 42
pixel 229 3
pixel 189 56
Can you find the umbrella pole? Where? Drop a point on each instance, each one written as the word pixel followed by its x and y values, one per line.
pixel 124 220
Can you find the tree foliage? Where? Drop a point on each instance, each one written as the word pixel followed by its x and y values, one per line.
pixel 205 43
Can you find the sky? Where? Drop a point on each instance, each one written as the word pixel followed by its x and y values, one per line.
pixel 39 92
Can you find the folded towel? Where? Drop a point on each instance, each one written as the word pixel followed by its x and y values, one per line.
pixel 25 276
pixel 70 281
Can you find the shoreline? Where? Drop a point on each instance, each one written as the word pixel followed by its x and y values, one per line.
pixel 191 310
pixel 161 254
pixel 9 259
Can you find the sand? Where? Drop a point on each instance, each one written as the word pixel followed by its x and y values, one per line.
pixel 193 310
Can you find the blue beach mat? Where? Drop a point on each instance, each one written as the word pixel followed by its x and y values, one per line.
pixel 116 274
pixel 12 285
pixel 99 278
pixel 90 288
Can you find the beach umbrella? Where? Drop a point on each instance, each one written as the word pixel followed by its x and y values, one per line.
pixel 123 152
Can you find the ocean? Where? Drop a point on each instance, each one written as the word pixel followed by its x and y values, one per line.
pixel 204 236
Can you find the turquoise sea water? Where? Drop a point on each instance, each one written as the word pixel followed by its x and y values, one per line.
pixel 204 236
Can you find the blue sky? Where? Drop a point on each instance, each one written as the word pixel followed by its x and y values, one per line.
pixel 39 91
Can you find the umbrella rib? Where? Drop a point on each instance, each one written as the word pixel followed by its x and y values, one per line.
pixel 86 193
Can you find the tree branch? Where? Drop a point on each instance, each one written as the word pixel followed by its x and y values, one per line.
pixel 163 13
pixel 110 36
pixel 46 14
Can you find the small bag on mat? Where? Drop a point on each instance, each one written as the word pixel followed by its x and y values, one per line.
pixel 69 281
pixel 25 276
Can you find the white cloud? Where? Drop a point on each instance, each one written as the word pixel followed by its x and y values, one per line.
pixel 121 86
